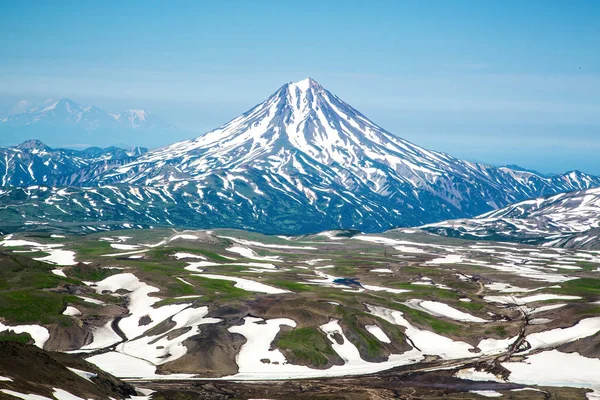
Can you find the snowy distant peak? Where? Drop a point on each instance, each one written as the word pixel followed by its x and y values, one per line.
pixel 60 111
pixel 141 119
pixel 578 179
pixel 299 118
pixel 68 103
pixel 303 116
pixel 306 82
pixel 133 118
pixel 306 93
pixel 139 114
pixel 136 151
pixel 68 112
pixel 63 109
pixel 304 85
pixel 62 103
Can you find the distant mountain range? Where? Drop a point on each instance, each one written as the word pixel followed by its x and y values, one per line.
pixel 75 124
pixel 301 161
pixel 564 220
pixel 34 163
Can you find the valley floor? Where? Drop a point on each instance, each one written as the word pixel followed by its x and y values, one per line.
pixel 231 314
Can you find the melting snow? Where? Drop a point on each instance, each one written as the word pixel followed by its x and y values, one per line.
pixel 486 393
pixel 442 310
pixel 84 374
pixel 59 272
pixel 259 336
pixel 185 237
pixel 160 349
pixel 382 270
pixel 544 369
pixel 474 375
pixel 378 333
pixel 426 341
pixel 39 334
pixel 179 256
pixel 71 311
pixel 120 246
pixel 251 254
pixel 102 337
pixel 448 259
pixel 124 366
pixel 58 257
pixel 507 288
pixel 528 299
pixel 91 300
pixel 246 284
pixel 140 303
pixel 555 337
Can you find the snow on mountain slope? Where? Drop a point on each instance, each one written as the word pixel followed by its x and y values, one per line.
pixel 566 219
pixel 302 161
pixel 305 145
pixel 67 112
pixel 34 163
pixel 62 112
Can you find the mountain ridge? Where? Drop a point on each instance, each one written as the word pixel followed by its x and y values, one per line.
pixel 73 112
pixel 302 161
pixel 563 220
pixel 35 163
pixel 307 141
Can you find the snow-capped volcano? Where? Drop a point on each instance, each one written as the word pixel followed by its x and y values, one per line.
pixel 307 157
pixel 77 124
pixel 63 112
pixel 301 161
pixel 302 123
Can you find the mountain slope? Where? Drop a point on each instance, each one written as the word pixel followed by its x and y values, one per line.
pixel 34 163
pixel 32 371
pixel 61 113
pixel 76 124
pixel 307 146
pixel 302 161
pixel 566 219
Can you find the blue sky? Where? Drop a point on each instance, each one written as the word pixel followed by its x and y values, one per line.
pixel 499 82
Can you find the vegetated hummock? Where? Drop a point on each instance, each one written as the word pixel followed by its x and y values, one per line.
pixel 302 161
pixel 164 306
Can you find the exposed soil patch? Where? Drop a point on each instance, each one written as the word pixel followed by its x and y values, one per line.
pixel 66 338
pixel 211 352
